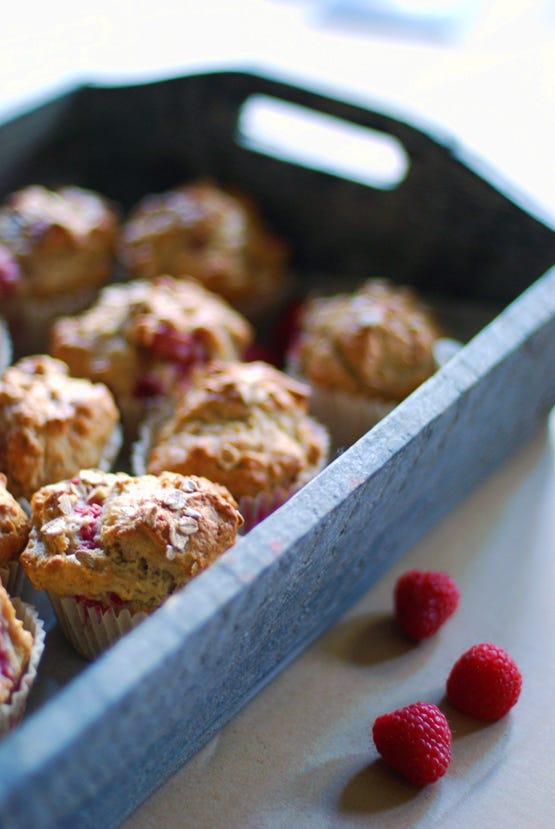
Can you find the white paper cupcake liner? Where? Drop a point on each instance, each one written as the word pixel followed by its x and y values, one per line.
pixel 90 629
pixel 12 712
pixel 5 346
pixel 11 577
pixel 347 416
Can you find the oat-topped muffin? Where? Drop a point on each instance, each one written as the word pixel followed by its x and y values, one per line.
pixel 216 236
pixel 244 425
pixel 14 532
pixel 363 353
pixel 143 338
pixel 104 543
pixel 57 247
pixel 52 425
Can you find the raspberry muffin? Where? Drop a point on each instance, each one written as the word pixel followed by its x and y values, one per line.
pixel 243 425
pixel 143 338
pixel 214 235
pixel 52 425
pixel 110 548
pixel 57 247
pixel 14 532
pixel 21 647
pixel 362 353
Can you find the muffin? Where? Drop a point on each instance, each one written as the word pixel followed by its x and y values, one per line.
pixel 52 425
pixel 57 247
pixel 242 425
pixel 14 532
pixel 142 339
pixel 110 548
pixel 21 645
pixel 214 235
pixel 362 353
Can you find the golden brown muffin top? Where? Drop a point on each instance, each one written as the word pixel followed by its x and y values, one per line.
pixel 113 537
pixel 244 425
pixel 377 342
pixel 149 332
pixel 54 241
pixel 51 425
pixel 16 644
pixel 201 230
pixel 14 525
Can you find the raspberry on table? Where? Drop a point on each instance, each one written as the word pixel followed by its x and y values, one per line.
pixel 415 741
pixel 484 682
pixel 424 600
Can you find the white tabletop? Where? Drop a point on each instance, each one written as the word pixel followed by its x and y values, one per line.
pixel 299 755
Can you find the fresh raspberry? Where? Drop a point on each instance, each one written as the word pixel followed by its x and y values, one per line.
pixel 415 741
pixel 424 600
pixel 484 682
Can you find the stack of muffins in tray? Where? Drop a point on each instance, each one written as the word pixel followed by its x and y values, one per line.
pixel 138 433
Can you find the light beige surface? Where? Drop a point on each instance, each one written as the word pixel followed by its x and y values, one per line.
pixel 299 755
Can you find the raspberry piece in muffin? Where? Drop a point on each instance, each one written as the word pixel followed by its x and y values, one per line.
pixel 214 235
pixel 52 425
pixel 57 247
pixel 246 426
pixel 143 338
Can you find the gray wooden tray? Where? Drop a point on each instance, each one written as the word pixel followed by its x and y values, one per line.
pixel 112 731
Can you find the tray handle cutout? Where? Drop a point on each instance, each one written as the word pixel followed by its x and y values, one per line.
pixel 320 141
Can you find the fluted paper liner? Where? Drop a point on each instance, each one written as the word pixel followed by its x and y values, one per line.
pixel 12 712
pixel 91 629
